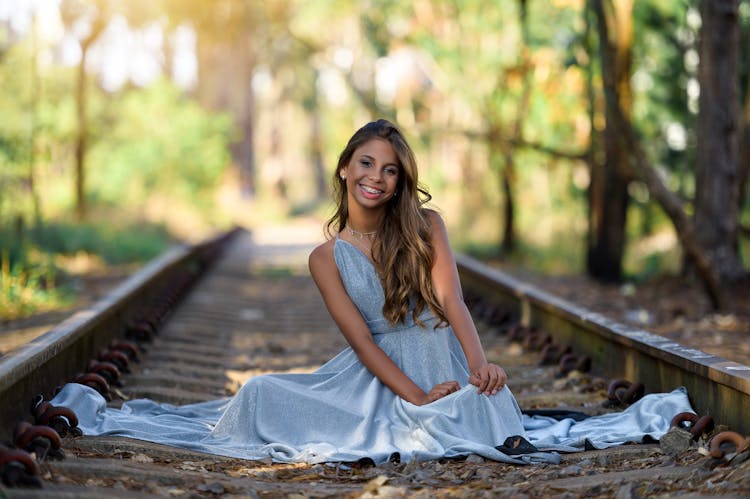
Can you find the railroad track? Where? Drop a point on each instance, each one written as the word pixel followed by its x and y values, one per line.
pixel 205 318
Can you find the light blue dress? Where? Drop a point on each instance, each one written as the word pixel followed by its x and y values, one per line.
pixel 341 412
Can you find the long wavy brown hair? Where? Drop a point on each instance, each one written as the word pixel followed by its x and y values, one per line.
pixel 402 250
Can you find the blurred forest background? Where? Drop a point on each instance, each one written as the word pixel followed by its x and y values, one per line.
pixel 606 137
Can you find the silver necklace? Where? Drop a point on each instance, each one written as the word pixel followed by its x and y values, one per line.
pixel 361 235
pixel 358 238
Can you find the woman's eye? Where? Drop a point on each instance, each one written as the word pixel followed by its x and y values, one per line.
pixel 391 171
pixel 366 164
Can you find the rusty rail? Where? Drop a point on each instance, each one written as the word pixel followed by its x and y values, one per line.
pixel 716 386
pixel 47 361
pixel 249 315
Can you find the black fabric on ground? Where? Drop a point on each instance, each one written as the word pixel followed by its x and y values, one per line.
pixel 516 445
pixel 558 414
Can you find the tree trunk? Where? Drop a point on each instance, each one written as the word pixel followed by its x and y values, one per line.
pixel 34 80
pixel 316 144
pixel 501 153
pixel 672 206
pixel 594 153
pixel 743 167
pixel 80 145
pixel 225 72
pixel 669 202
pixel 608 190
pixel 244 150
pixel 97 27
pixel 508 175
pixel 716 175
pixel 509 230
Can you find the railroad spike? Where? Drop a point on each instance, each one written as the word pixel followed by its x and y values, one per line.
pixel 18 468
pixel 633 393
pixel 684 417
pixel 718 449
pixel 95 381
pixel 705 424
pixel 61 419
pixel 570 362
pixel 106 369
pixel 129 348
pixel 43 441
pixel 116 357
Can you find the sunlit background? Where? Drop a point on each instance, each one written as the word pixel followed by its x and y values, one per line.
pixel 128 125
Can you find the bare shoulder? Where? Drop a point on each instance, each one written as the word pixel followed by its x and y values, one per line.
pixel 437 226
pixel 322 257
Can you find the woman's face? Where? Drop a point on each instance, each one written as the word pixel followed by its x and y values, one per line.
pixel 372 174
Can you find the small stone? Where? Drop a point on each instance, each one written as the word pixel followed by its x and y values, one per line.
pixel 676 441
pixel 484 474
pixel 448 476
pixel 625 492
pixel 560 384
pixel 515 477
pixel 475 459
pixel 216 488
pixel 425 477
pixel 385 491
pixel 571 470
pixel 740 458
pixel 653 488
pixel 142 458
pixel 466 475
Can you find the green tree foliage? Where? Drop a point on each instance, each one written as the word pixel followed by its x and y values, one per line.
pixel 143 143
pixel 282 83
pixel 15 132
pixel 665 62
pixel 158 142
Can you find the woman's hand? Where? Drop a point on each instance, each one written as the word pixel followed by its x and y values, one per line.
pixel 489 378
pixel 439 391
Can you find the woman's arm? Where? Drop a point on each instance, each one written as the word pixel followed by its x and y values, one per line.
pixel 488 378
pixel 352 325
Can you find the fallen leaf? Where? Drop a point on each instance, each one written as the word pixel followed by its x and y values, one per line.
pixel 373 485
pixel 142 458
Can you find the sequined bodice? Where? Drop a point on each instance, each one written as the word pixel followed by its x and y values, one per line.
pixel 363 285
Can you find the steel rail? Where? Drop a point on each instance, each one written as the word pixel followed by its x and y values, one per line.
pixel 249 315
pixel 716 386
pixel 53 358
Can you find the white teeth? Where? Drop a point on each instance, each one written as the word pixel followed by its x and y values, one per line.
pixel 371 190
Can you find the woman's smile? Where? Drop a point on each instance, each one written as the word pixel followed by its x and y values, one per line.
pixel 370 192
pixel 372 173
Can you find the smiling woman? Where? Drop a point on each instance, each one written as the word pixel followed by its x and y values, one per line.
pixel 378 157
pixel 414 381
pixel 372 175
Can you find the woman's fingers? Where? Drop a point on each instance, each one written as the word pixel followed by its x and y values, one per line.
pixel 447 387
pixel 502 379
pixel 442 389
pixel 492 384
pixel 499 379
pixel 488 379
pixel 480 379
